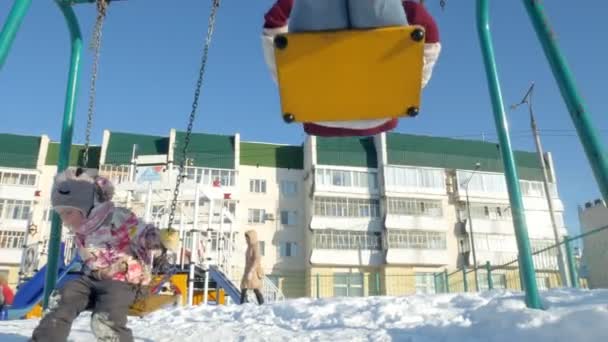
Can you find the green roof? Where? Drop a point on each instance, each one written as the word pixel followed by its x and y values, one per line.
pixel 347 151
pixel 19 151
pixel 406 149
pixel 206 150
pixel 76 154
pixel 120 147
pixel 270 155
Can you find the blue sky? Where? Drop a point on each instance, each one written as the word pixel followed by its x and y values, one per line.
pixel 152 48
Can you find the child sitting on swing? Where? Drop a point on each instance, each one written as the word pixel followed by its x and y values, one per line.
pixel 117 250
pixel 322 15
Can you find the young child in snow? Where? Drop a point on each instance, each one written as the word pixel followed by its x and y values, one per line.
pixel 320 15
pixel 6 294
pixel 116 248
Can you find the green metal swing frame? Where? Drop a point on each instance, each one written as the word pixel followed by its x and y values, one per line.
pixel 587 133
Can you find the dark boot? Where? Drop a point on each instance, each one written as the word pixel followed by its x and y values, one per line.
pixel 244 296
pixel 112 302
pixel 258 296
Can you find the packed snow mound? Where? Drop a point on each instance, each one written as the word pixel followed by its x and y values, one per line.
pixel 569 315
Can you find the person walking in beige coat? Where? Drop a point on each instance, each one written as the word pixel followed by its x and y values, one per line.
pixel 254 274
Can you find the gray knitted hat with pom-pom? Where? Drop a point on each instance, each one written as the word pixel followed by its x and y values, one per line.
pixel 79 190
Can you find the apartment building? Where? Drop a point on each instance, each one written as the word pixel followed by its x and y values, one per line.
pixel 334 216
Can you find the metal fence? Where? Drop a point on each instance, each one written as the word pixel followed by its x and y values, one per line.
pixel 546 265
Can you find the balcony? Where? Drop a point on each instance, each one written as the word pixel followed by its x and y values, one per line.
pixel 333 180
pixel 414 180
pixel 415 213
pixel 416 247
pixel 11 255
pixel 426 257
pixel 348 213
pixel 344 248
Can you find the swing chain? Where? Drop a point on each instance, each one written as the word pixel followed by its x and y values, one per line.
pixel 199 83
pixel 102 6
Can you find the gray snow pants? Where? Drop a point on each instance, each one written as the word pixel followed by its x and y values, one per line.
pixel 110 301
pixel 320 15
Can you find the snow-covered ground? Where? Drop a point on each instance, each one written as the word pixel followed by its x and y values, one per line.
pixel 570 315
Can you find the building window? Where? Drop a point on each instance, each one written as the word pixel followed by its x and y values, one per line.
pixel 348 284
pixel 288 249
pixel 15 209
pixel 262 246
pixel 207 176
pixel 16 178
pixel 115 173
pixel 416 239
pixel 425 283
pixel 346 178
pixel 414 207
pixel 413 177
pixel 346 207
pixel 482 182
pixel 289 188
pixel 11 239
pixel 340 239
pixel 256 216
pixel 489 212
pixel 289 217
pixel 257 186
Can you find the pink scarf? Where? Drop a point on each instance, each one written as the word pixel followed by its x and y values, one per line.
pixel 96 218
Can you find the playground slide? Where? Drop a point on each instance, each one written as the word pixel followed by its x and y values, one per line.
pixel 30 293
pixel 222 281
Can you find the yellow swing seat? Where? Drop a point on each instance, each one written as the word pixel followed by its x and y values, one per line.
pixel 350 75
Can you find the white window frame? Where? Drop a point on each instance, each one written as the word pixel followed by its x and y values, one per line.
pixel 257 186
pixel 416 239
pixel 414 207
pixel 18 178
pixel 352 286
pixel 256 216
pixel 425 283
pixel 346 207
pixel 11 239
pixel 346 240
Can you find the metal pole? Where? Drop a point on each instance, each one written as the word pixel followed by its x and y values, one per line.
pixel 11 26
pixel 66 144
pixel 472 238
pixel 519 220
pixel 206 288
pixel 133 165
pixel 539 151
pixel 571 263
pixel 194 231
pixel 447 281
pixel 465 283
pixel 182 237
pixel 148 206
pixel 191 285
pixel 586 131
pixel 489 273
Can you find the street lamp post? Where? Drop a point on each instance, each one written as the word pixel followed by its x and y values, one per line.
pixel 471 237
pixel 539 151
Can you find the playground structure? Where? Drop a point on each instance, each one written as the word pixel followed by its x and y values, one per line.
pixel 205 271
pixel 579 115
